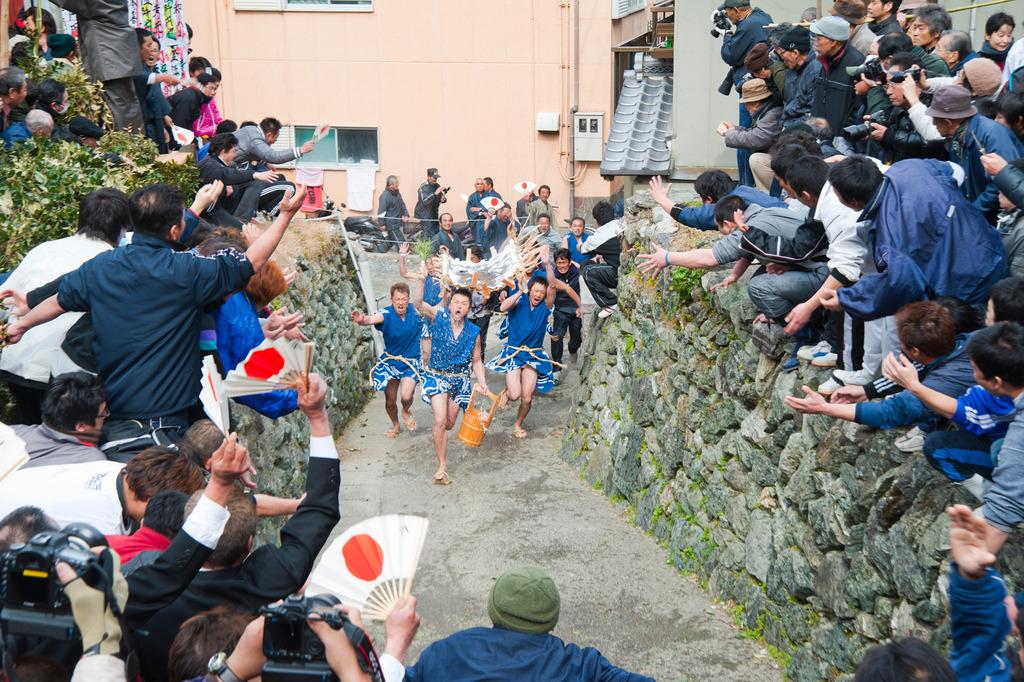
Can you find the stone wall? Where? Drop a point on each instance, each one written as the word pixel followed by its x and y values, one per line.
pixel 326 290
pixel 826 537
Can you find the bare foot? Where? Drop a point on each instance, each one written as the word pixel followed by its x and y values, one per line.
pixel 518 432
pixel 441 478
pixel 410 421
pixel 761 319
pixel 393 431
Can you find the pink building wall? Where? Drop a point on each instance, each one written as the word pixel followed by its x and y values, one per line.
pixel 454 84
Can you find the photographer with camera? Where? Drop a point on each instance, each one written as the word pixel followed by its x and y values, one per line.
pixel 749 31
pixel 428 203
pixel 834 98
pixel 235 574
pixel 892 128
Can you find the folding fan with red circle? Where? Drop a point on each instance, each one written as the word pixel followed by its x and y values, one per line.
pixel 371 566
pixel 492 203
pixel 525 187
pixel 271 366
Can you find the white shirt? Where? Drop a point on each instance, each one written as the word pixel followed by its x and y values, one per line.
pixel 84 493
pixel 1014 60
pixel 39 351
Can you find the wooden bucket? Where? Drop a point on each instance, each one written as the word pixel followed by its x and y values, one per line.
pixel 475 422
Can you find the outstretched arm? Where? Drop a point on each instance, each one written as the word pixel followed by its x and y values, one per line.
pixel 659 259
pixel 510 302
pixel 902 371
pixel 359 317
pixel 44 312
pixel 261 250
pixel 422 307
pixel 553 283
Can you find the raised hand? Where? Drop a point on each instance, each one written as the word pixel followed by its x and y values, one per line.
pixel 967 542
pixel 16 301
pixel 654 262
pixel 813 403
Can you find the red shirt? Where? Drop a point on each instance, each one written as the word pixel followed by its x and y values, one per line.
pixel 142 540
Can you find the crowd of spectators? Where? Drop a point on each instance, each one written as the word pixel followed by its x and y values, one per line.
pixel 882 202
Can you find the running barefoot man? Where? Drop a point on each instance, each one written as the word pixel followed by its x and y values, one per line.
pixel 455 350
pixel 527 368
pixel 432 294
pixel 398 368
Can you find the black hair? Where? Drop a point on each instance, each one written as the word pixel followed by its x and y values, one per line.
pixel 104 214
pixel 49 24
pixel 1007 298
pixel 902 661
pixel 222 142
pixel 73 398
pixel 726 208
pixel 23 523
pixel 906 60
pixel 563 254
pixel 785 157
pixel 713 184
pixel 807 139
pixel 997 21
pixel 243 124
pixel 156 209
pixel 226 126
pixel 207 78
pixel 489 180
pixel 463 291
pixel 477 251
pixel 197 63
pixel 603 213
pixel 141 34
pixel 1011 106
pixel 51 92
pixel 966 318
pixel 895 5
pixel 270 125
pixel 808 174
pixel 998 351
pixel 855 179
pixel 165 512
pixel 891 43
pixel 544 215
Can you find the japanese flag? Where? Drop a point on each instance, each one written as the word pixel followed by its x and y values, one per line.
pixel 525 187
pixel 182 136
pixel 321 131
pixel 492 203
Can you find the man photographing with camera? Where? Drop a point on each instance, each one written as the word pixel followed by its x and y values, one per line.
pixel 749 30
pixel 428 202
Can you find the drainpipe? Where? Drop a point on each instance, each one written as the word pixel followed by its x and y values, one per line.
pixel 575 107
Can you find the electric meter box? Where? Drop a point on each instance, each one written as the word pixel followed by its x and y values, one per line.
pixel 588 135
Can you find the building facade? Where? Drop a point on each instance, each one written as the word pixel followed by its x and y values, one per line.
pixel 406 85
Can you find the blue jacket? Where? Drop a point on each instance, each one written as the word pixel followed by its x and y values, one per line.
pixel 703 217
pixel 499 655
pixel 994 137
pixel 984 414
pixel 801 84
pixel 951 374
pixel 980 626
pixel 927 240
pixel 960 64
pixel 15 133
pixel 735 47
pixel 238 332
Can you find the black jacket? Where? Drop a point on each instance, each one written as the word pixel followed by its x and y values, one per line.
pixel 890 25
pixel 1010 182
pixel 270 573
pixel 834 97
pixel 185 107
pixel 902 141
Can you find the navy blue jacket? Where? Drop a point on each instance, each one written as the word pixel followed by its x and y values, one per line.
pixel 735 47
pixel 500 655
pixel 145 299
pixel 980 626
pixel 994 137
pixel 801 84
pixel 703 217
pixel 927 240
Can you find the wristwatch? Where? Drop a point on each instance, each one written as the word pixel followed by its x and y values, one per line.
pixel 218 667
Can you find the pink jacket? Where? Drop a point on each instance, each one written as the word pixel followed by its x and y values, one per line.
pixel 209 118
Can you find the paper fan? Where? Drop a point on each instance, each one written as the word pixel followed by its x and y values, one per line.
pixel 464 198
pixel 182 136
pixel 270 366
pixel 13 454
pixel 215 403
pixel 492 203
pixel 321 131
pixel 525 187
pixel 371 566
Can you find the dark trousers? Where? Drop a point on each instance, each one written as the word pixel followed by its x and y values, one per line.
pixel 258 195
pixel 124 104
pixel 602 279
pixel 958 455
pixel 562 324
pixel 484 322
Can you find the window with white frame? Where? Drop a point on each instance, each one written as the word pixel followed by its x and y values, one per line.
pixel 315 5
pixel 621 8
pixel 341 147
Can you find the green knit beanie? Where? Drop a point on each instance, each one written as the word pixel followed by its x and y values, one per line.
pixel 524 600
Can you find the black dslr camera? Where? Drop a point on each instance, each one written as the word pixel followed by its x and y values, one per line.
pixel 293 650
pixel 872 69
pixel 861 131
pixel 31 594
pixel 720 23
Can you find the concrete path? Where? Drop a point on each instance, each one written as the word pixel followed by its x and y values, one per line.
pixel 515 502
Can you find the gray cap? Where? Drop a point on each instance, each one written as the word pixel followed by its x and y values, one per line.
pixel 834 28
pixel 735 3
pixel 952 102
